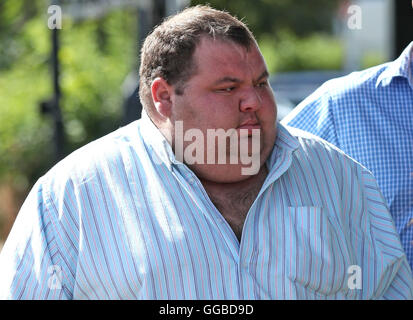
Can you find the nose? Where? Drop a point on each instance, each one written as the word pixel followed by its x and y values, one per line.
pixel 250 100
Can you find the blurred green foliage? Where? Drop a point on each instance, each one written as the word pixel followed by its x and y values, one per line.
pixel 303 17
pixel 318 51
pixel 371 59
pixel 95 57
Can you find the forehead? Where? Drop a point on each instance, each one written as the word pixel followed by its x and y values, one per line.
pixel 215 58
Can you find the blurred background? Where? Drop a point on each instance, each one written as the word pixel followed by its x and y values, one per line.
pixel 66 85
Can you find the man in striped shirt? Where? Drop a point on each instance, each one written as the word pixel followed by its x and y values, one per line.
pixel 164 208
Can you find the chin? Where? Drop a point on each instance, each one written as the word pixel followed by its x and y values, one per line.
pixel 225 173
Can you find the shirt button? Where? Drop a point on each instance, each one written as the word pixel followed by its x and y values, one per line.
pixel 410 223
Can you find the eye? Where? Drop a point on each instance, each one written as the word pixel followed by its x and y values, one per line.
pixel 226 90
pixel 262 84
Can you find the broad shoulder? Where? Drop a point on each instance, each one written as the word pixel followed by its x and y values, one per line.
pixel 317 149
pixel 108 151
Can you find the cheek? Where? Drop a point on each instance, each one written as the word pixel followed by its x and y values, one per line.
pixel 269 107
pixel 220 112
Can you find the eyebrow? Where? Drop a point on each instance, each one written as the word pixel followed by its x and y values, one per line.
pixel 265 74
pixel 227 79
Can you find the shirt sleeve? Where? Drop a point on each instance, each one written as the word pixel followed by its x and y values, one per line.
pixel 315 115
pixel 386 274
pixel 34 260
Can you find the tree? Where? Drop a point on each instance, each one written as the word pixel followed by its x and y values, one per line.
pixel 269 16
pixel 95 58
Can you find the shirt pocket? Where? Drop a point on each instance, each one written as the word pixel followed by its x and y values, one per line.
pixel 321 255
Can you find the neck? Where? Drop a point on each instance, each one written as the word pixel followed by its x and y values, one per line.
pixel 234 200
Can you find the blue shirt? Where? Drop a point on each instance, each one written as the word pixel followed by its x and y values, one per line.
pixel 369 115
pixel 121 218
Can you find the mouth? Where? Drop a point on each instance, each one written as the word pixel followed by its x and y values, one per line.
pixel 248 126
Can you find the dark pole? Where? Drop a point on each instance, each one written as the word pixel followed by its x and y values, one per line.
pixel 147 19
pixel 55 107
pixel 159 11
pixel 403 25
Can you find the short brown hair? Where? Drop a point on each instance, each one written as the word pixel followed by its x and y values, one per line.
pixel 167 51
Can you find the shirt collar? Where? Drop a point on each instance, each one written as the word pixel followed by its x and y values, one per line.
pixel 284 143
pixel 401 67
pixel 162 151
pixel 159 147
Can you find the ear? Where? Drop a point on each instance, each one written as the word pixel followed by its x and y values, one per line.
pixel 161 97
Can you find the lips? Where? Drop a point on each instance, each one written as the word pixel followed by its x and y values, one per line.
pixel 249 125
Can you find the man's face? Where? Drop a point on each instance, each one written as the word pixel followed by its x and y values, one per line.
pixel 229 90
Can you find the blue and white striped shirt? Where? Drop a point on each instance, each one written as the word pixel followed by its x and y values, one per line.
pixel 369 115
pixel 121 218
